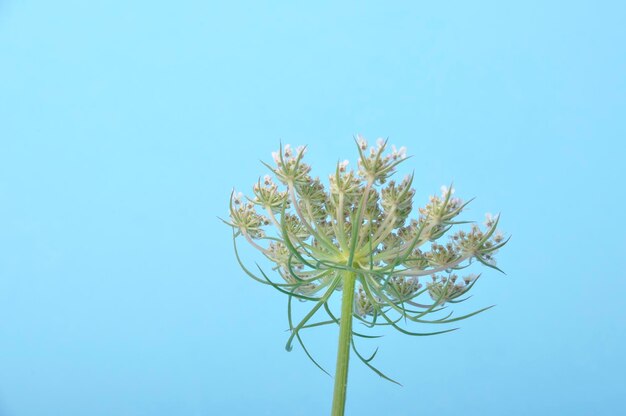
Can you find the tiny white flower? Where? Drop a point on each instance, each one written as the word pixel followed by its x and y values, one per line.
pixel 300 150
pixel 287 150
pixel 361 142
pixel 445 191
pixel 276 157
pixel 343 165
pixel 267 179
pixel 470 278
pixel 489 219
pixel 398 153
pixel 380 142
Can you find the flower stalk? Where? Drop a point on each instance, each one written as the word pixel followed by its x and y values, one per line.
pixel 343 350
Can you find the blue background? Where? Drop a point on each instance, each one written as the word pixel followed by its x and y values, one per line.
pixel 125 125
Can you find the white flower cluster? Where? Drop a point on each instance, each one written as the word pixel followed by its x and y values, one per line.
pixel 361 225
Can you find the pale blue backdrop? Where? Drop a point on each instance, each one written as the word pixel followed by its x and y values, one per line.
pixel 125 125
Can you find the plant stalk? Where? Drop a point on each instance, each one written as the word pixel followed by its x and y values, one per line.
pixel 343 350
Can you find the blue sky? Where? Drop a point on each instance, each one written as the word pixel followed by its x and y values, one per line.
pixel 124 126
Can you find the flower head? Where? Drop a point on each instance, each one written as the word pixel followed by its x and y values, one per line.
pixel 361 226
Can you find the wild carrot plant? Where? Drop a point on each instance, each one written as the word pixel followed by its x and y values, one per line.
pixel 357 237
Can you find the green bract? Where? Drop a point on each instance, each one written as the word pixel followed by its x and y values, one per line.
pixel 359 234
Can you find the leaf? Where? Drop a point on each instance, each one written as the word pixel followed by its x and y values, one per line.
pixel 309 315
pixel 336 321
pixel 306 351
pixel 370 366
pixel 289 293
pixel 492 266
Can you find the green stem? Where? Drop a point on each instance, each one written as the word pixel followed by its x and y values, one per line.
pixel 343 351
